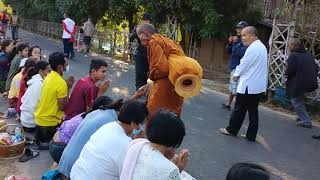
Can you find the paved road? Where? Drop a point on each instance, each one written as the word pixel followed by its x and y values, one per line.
pixel 284 149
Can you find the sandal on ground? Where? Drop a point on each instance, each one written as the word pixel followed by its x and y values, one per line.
pixel 224 131
pixel 28 154
pixel 316 136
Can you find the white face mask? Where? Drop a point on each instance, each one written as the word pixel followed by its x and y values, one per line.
pixel 67 69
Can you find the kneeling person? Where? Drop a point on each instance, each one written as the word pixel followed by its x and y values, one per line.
pixel 68 128
pixel 85 91
pixel 106 149
pixel 54 97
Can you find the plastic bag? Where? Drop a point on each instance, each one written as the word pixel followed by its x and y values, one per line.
pixel 5 138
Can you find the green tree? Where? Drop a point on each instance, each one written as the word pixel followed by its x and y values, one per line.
pixel 206 18
pixel 113 11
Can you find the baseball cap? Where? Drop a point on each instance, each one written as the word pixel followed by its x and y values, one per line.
pixel 242 24
pixel 146 17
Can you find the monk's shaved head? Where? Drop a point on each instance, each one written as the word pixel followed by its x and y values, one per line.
pixel 251 30
pixel 147 27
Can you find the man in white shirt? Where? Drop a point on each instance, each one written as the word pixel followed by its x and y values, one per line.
pixel 69 30
pixel 103 155
pixel 252 77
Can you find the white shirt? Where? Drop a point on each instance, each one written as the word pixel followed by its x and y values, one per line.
pixel 103 155
pixel 152 164
pixel 70 26
pixel 88 29
pixel 253 69
pixel 30 100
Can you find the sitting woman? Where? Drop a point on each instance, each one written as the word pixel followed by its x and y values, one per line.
pixel 15 87
pixel 35 52
pixel 34 79
pixel 6 49
pixel 23 83
pixel 62 137
pixel 90 124
pixel 154 158
pixel 106 148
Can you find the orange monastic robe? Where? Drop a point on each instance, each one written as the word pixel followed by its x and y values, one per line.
pixel 162 93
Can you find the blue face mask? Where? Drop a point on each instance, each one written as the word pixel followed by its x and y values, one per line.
pixel 137 131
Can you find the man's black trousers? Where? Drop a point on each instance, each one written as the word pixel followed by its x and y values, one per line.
pixel 245 102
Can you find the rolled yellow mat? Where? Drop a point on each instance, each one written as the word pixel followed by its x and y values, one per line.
pixel 185 74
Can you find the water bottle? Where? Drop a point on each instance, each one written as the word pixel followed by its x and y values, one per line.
pixel 18 134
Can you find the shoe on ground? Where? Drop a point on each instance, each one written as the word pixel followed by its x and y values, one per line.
pixel 302 124
pixel 224 131
pixel 224 106
pixel 246 138
pixel 316 136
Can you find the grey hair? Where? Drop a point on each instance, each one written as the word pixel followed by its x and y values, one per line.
pixel 252 30
pixel 147 27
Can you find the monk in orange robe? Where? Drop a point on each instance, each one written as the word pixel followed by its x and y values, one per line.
pixel 162 93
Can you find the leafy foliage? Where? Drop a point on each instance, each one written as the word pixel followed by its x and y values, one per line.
pixel 205 18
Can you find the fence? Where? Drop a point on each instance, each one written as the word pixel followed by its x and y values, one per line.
pixel 113 43
pixel 296 20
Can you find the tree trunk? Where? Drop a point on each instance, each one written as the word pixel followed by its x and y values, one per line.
pixel 130 20
pixel 131 24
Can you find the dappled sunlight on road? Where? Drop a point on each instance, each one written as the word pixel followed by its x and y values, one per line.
pixel 123 92
pixel 261 140
pixel 278 172
pixel 120 62
pixel 121 68
pixel 94 54
pixel 122 65
pixel 118 74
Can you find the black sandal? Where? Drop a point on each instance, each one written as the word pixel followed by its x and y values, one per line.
pixel 28 154
pixel 316 136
